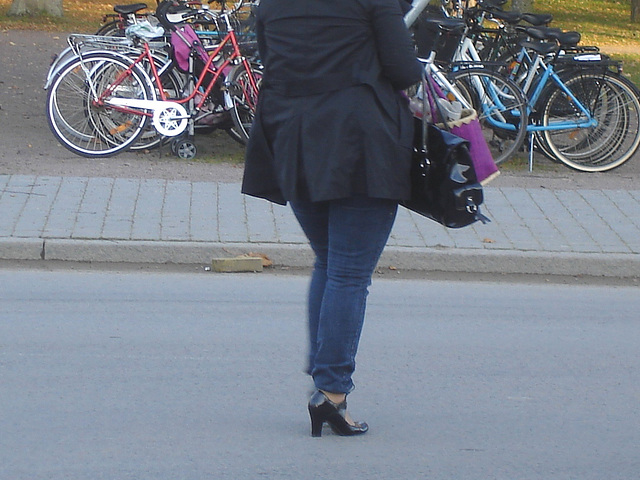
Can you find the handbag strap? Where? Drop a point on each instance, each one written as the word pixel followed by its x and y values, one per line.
pixel 424 111
pixel 433 102
pixel 429 103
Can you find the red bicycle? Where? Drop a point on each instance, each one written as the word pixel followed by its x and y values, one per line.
pixel 101 103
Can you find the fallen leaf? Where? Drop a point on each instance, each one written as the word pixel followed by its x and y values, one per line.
pixel 266 261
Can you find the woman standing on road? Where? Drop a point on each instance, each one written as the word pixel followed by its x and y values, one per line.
pixel 332 136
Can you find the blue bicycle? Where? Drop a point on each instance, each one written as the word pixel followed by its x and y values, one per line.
pixel 583 111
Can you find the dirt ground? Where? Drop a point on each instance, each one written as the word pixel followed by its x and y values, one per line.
pixel 27 145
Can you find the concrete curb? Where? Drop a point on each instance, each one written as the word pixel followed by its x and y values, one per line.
pixel 300 256
pixel 127 251
pixel 21 248
pixel 513 262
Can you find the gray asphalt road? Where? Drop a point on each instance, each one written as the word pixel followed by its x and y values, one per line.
pixel 176 376
pixel 28 147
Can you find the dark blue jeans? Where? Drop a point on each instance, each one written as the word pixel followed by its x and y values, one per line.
pixel 347 237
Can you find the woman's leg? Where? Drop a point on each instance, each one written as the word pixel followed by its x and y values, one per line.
pixel 314 220
pixel 348 237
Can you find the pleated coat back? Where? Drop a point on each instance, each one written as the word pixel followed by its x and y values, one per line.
pixel 331 121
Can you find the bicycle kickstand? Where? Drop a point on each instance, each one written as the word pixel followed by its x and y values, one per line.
pixel 531 141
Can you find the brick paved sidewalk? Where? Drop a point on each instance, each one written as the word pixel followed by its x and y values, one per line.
pixel 590 232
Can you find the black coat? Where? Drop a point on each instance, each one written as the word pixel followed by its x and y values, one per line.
pixel 331 122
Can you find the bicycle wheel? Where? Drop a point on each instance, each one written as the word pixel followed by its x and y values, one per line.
pixel 501 107
pixel 606 140
pixel 244 99
pixel 83 126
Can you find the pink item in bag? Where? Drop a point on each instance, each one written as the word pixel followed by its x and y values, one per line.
pixel 182 40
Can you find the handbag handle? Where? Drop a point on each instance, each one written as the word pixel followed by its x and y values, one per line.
pixel 424 111
pixel 428 98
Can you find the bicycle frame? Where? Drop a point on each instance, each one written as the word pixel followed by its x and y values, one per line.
pixel 548 74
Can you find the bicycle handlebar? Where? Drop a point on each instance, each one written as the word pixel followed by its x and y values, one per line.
pixel 417 7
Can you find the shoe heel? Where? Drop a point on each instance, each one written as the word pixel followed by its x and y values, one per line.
pixel 317 412
pixel 316 425
pixel 322 410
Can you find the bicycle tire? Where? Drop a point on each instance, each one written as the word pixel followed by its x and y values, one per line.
pixel 614 102
pixel 244 100
pixel 81 126
pixel 501 108
pixel 236 135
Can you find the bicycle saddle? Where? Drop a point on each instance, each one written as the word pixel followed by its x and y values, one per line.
pixel 129 9
pixel 540 33
pixel 537 19
pixel 567 39
pixel 509 17
pixel 447 24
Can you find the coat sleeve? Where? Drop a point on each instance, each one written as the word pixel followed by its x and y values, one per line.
pixel 394 44
pixel 405 6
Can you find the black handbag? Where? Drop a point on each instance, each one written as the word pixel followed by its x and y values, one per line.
pixel 444 185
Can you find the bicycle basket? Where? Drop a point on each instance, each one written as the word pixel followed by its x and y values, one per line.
pixel 425 36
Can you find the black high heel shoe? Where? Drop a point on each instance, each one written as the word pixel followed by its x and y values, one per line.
pixel 322 410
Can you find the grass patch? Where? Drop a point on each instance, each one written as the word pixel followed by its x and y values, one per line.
pixel 601 22
pixel 604 23
pixel 207 156
pixel 80 16
pixel 519 162
pixel 217 158
pixel 216 147
pixel 631 66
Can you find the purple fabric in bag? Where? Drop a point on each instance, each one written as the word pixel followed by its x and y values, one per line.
pixel 469 128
